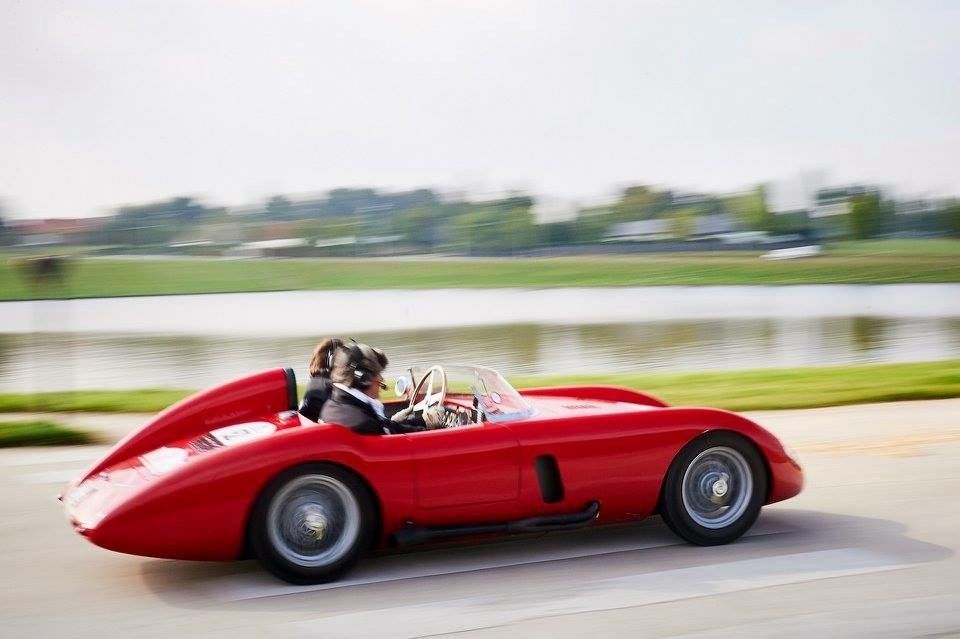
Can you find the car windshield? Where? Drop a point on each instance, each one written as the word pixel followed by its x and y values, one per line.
pixel 492 394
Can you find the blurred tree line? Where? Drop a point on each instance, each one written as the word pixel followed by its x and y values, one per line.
pixel 950 219
pixel 157 222
pixel 7 236
pixel 420 220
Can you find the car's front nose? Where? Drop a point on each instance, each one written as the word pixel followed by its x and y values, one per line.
pixel 88 502
pixel 786 477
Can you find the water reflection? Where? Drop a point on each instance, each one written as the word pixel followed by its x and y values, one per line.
pixel 867 332
pixel 49 361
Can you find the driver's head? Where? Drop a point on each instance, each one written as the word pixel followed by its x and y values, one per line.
pixel 321 364
pixel 360 366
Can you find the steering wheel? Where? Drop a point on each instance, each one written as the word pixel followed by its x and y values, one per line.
pixel 433 376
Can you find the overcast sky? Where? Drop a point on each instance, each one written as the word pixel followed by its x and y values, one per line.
pixel 110 102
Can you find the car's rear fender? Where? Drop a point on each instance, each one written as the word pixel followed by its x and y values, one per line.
pixel 202 510
pixel 244 399
pixel 600 393
pixel 375 495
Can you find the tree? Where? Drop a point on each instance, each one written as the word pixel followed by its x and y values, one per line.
pixel 558 233
pixel 682 222
pixel 153 223
pixel 278 207
pixel 866 216
pixel 7 237
pixel 591 224
pixel 519 229
pixel 950 219
pixel 641 203
pixel 342 202
pixel 749 211
pixel 419 226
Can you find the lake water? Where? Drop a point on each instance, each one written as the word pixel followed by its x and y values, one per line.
pixel 196 341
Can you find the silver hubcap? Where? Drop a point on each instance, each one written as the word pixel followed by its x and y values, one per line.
pixel 313 521
pixel 717 487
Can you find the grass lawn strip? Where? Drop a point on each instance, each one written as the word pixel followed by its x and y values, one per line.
pixel 785 388
pixel 734 390
pixel 40 433
pixel 112 278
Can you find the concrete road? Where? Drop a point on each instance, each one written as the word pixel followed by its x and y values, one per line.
pixel 868 549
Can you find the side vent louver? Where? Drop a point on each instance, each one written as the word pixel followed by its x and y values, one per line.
pixel 548 476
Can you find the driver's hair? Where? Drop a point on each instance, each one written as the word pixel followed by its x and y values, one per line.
pixel 323 357
pixel 356 365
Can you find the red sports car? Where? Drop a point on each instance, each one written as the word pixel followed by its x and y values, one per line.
pixel 236 471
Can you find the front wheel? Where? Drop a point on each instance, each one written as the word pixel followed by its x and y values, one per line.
pixel 312 523
pixel 714 489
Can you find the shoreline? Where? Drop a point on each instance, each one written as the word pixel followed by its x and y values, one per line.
pixel 479 287
pixel 105 277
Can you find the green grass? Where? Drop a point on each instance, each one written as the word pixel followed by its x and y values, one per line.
pixel 108 278
pixel 136 401
pixel 931 247
pixel 40 433
pixel 736 390
pixel 786 388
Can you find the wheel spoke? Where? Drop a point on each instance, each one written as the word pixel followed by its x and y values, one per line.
pixel 717 487
pixel 313 521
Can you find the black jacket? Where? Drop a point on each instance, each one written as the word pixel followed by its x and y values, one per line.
pixel 345 409
pixel 316 395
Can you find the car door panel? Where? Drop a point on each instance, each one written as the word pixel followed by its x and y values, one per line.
pixel 477 464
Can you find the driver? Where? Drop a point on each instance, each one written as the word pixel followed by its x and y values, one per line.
pixel 357 377
pixel 319 386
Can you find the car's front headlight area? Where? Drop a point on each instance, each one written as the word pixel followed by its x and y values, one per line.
pixel 76 495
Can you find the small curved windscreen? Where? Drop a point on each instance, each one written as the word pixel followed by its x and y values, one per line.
pixel 493 395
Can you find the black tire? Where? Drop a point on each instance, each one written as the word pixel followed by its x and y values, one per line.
pixel 312 523
pixel 726 485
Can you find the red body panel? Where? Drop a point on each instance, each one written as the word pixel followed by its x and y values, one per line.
pixel 185 501
pixel 246 398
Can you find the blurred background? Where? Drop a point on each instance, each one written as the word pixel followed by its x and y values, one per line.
pixel 455 157
pixel 752 205
pixel 169 148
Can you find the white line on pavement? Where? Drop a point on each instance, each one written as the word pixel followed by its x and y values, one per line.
pixel 424 564
pixel 911 617
pixel 511 606
pixel 259 585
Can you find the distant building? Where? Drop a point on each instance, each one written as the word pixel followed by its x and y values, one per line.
pixel 828 214
pixel 641 230
pixel 712 226
pixel 56 231
pixel 704 227
pixel 687 199
pixel 836 200
pixel 917 207
pixel 267 248
pixel 917 217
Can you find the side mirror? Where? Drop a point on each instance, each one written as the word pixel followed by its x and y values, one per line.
pixel 400 386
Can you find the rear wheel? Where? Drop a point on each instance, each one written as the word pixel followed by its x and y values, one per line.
pixel 312 523
pixel 714 489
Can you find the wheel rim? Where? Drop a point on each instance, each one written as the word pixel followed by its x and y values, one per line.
pixel 313 521
pixel 717 487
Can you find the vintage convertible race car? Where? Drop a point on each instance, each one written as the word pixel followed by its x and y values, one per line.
pixel 236 471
